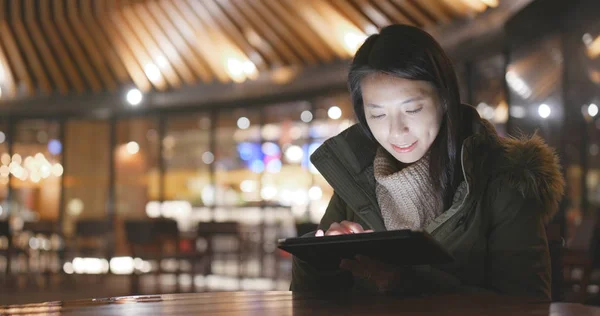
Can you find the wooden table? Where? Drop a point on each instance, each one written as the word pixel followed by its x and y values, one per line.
pixel 287 303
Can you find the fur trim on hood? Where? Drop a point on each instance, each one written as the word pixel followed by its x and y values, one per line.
pixel 529 165
pixel 533 168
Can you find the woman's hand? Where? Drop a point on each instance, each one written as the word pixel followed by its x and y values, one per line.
pixel 342 228
pixel 385 277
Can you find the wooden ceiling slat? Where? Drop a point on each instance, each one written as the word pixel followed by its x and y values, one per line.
pixel 434 8
pixel 476 5
pixel 103 43
pixel 8 84
pixel 259 43
pixel 284 32
pixel 372 13
pixel 322 24
pixel 57 45
pixel 49 46
pixel 198 66
pixel 264 30
pixel 390 10
pixel 43 48
pixel 195 33
pixel 167 47
pixel 103 13
pixel 157 57
pixel 214 12
pixel 136 48
pixel 354 15
pixel 458 7
pixel 27 47
pixel 339 26
pixel 298 25
pixel 414 13
pixel 12 50
pixel 82 63
pixel 90 48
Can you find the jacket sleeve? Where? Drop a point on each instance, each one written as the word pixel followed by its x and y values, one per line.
pixel 518 260
pixel 306 277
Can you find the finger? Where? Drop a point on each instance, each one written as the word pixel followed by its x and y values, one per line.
pixel 369 231
pixel 376 269
pixel 333 233
pixel 358 269
pixel 353 266
pixel 352 226
pixel 337 229
pixel 372 264
pixel 320 233
pixel 383 274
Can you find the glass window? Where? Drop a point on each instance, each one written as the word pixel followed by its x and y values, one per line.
pixel 488 91
pixel 4 169
pixel 534 77
pixel 238 157
pixel 187 156
pixel 136 165
pixel 285 151
pixel 87 171
pixel 463 81
pixel 37 170
pixel 582 123
pixel 333 115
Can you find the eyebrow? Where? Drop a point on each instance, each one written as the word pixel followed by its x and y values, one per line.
pixel 413 99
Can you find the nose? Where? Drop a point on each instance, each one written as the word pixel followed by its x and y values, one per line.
pixel 398 130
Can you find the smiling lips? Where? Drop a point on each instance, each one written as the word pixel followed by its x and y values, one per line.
pixel 405 149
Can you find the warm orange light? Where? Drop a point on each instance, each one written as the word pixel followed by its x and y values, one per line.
pixel 476 5
pixel 593 50
pixel 490 3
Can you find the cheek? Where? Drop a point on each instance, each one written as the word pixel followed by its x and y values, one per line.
pixel 379 130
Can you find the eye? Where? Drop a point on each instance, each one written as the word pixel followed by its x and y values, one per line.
pixel 415 111
pixel 377 116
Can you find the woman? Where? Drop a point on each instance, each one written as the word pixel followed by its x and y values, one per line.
pixel 419 159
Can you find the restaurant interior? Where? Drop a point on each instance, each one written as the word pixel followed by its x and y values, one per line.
pixel 163 146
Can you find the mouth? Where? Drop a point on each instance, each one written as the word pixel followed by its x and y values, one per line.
pixel 405 148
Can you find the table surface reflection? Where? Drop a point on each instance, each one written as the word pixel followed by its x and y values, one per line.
pixel 287 303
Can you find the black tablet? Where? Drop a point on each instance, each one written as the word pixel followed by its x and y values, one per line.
pixel 399 247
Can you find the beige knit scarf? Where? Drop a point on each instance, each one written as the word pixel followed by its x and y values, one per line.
pixel 405 195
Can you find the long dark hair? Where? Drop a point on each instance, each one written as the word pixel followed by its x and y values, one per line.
pixel 411 53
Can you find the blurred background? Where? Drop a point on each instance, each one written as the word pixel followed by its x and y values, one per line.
pixel 156 146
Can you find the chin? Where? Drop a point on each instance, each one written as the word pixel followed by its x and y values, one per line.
pixel 407 158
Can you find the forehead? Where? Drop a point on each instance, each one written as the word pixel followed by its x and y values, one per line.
pixel 382 85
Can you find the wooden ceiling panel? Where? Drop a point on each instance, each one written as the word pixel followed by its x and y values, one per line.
pixel 103 11
pixel 91 50
pixel 43 48
pixel 64 46
pixel 27 47
pixel 89 17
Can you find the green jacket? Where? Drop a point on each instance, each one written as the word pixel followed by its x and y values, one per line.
pixel 496 231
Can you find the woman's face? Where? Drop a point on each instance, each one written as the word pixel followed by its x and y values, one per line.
pixel 403 115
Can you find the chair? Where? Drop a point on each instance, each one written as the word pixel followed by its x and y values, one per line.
pixel 579 254
pixel 92 238
pixel 158 240
pixel 210 232
pixel 46 249
pixel 8 249
pixel 556 244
